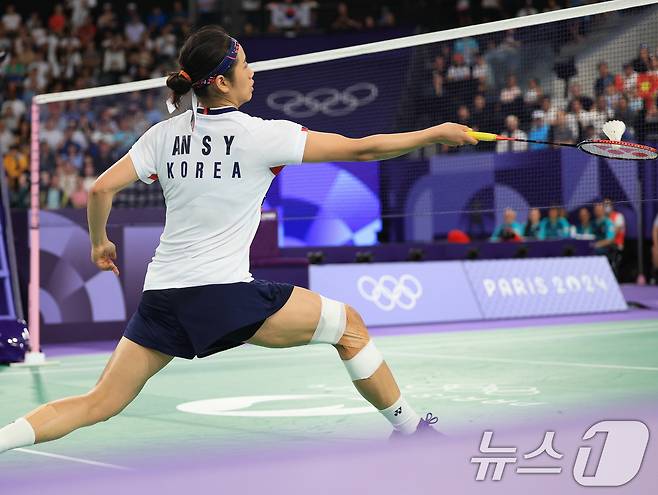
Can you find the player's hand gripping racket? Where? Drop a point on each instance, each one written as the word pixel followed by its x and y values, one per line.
pixel 612 148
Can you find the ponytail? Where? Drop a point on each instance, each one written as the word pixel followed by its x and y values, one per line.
pixel 180 84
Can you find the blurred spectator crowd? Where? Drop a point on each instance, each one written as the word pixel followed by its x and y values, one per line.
pixel 81 44
pixel 293 17
pixel 476 82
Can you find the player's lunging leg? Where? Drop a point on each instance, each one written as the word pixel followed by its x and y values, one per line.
pixel 308 318
pixel 370 374
pixel 130 366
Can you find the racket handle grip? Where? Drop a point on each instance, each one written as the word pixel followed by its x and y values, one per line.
pixel 483 136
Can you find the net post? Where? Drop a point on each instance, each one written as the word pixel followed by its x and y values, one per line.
pixel 641 279
pixel 34 356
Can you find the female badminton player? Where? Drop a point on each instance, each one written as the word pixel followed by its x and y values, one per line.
pixel 215 164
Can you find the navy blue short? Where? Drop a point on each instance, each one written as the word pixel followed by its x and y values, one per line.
pixel 200 321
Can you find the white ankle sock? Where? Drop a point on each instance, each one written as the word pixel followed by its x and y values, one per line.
pixel 402 416
pixel 16 434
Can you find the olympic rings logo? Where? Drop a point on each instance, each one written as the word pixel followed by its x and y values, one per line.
pixel 388 292
pixel 327 101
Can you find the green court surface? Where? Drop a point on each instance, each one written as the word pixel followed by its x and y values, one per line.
pixel 471 380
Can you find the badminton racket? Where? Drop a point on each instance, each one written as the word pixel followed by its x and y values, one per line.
pixel 618 150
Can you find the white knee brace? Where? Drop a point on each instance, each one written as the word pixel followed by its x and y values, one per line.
pixel 365 363
pixel 330 329
pixel 333 321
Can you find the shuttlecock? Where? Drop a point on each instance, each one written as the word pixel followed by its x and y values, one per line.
pixel 614 129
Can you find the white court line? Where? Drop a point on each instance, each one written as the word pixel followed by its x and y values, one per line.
pixel 74 459
pixel 528 338
pixel 524 361
pixel 49 371
pixel 446 338
pixel 547 333
pixel 557 331
pixel 522 336
pixel 101 364
pixel 104 356
pixel 442 342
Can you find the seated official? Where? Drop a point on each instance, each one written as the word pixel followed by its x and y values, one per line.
pixel 583 229
pixel 604 231
pixel 531 230
pixel 553 227
pixel 510 230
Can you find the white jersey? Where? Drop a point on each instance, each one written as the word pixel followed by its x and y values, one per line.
pixel 214 179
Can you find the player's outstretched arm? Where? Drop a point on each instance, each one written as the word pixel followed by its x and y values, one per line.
pixel 118 176
pixel 325 147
